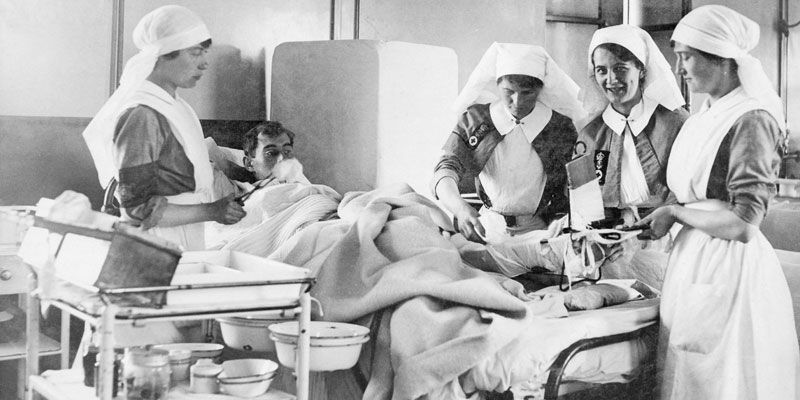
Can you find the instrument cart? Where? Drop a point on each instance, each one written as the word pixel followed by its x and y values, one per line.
pixel 105 309
pixel 103 314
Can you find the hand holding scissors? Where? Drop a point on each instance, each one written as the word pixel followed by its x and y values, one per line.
pixel 260 184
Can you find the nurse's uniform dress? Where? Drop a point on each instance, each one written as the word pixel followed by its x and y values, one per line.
pixel 160 153
pixel 153 145
pixel 630 152
pixel 727 326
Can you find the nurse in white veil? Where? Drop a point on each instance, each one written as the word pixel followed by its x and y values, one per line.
pixel 727 327
pixel 149 139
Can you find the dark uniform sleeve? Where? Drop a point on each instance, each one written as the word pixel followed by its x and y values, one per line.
pixel 753 164
pixel 138 140
pixel 450 163
pixel 466 144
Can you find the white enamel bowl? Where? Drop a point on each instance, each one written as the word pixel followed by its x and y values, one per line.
pixel 248 333
pixel 248 377
pixel 334 345
pixel 199 350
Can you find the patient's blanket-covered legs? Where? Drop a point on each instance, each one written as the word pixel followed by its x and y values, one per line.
pixel 386 253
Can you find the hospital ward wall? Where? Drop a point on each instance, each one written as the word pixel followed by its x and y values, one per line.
pixel 468 27
pixel 54 74
pixel 369 113
pixel 377 111
pixel 55 71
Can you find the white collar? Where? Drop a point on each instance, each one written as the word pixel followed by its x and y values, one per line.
pixel 638 118
pixel 723 103
pixel 157 91
pixel 531 124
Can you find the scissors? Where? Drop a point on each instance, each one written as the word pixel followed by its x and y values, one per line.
pixel 611 235
pixel 241 199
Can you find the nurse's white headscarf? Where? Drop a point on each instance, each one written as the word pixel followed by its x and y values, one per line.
pixel 559 92
pixel 659 82
pixel 163 30
pixel 723 32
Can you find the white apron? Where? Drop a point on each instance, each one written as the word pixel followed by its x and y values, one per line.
pixel 727 325
pixel 187 130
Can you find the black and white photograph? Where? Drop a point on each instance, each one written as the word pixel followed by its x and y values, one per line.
pixel 399 200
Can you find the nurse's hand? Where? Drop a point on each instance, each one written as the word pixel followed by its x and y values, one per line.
pixel 657 224
pixel 227 211
pixel 467 223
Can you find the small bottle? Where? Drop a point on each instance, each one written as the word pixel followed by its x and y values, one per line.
pixel 89 360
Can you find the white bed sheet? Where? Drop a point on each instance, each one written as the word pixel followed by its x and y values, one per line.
pixel 524 364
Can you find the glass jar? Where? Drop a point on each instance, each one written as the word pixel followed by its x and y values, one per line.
pixel 147 373
pixel 179 361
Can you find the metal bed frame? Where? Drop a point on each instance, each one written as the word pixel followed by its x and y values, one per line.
pixel 639 385
pixel 641 391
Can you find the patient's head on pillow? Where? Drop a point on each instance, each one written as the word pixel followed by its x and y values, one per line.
pixel 266 146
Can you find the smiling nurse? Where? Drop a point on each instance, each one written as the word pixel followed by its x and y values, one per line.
pixel 636 104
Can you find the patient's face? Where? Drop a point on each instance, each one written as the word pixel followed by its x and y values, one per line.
pixel 270 151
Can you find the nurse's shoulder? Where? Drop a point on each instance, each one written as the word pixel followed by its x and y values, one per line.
pixel 475 126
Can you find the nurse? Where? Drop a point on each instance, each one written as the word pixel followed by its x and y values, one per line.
pixel 727 327
pixel 514 146
pixel 635 110
pixel 150 140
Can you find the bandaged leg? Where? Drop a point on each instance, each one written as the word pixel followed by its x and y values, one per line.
pixel 516 255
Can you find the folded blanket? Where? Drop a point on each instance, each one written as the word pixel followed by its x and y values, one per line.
pixel 386 254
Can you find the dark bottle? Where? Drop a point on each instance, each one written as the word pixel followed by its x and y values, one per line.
pixel 89 359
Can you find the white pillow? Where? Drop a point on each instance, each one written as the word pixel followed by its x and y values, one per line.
pixel 216 152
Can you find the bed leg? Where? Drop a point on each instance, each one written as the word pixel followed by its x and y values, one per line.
pixel 558 367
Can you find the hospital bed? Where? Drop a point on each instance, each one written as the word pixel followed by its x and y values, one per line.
pixel 595 348
pixel 607 353
pixel 588 352
pixel 615 359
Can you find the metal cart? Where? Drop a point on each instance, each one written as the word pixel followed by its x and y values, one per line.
pixel 100 311
pixel 103 309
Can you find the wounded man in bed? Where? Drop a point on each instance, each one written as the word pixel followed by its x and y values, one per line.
pixel 267 159
pixel 280 201
pixel 278 198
